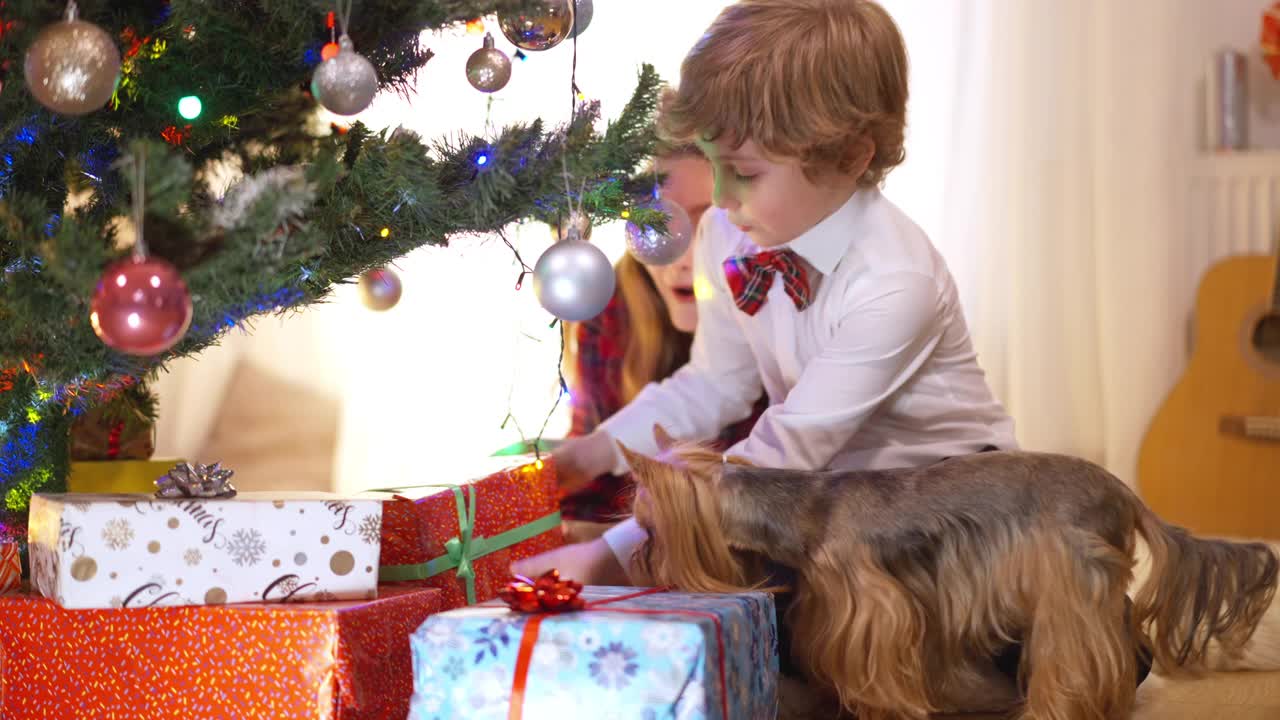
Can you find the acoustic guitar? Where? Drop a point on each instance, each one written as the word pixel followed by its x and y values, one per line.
pixel 1210 460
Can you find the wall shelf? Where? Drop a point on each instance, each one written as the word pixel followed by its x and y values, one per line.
pixel 1239 164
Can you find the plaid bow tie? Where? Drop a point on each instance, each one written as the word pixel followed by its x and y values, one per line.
pixel 751 276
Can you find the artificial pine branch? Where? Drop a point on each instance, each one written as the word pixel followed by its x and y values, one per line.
pixel 306 215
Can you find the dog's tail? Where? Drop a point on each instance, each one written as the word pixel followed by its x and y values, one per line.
pixel 1200 593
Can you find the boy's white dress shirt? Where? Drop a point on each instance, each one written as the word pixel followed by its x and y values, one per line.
pixel 879 371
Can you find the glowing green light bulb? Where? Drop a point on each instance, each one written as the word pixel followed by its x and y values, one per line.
pixel 189 107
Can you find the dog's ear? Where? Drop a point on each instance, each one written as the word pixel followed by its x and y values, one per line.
pixel 663 438
pixel 639 463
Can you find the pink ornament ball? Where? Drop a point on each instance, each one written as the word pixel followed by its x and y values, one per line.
pixel 141 306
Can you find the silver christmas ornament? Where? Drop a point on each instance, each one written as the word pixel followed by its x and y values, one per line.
pixel 573 280
pixel 538 24
pixel 488 69
pixel 380 289
pixel 196 481
pixel 582 12
pixel 73 66
pixel 346 83
pixel 653 247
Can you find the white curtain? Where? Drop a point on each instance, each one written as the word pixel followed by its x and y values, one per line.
pixel 1043 145
pixel 1044 140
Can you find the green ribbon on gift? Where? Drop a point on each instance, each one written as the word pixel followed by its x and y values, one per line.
pixel 460 551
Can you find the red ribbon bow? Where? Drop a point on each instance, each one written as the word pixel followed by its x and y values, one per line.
pixel 547 594
pixel 550 594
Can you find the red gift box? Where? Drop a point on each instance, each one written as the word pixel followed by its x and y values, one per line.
pixel 333 661
pixel 463 538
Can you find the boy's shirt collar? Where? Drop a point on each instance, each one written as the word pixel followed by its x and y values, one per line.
pixel 824 245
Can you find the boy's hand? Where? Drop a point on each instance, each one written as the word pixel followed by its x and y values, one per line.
pixel 581 460
pixel 590 563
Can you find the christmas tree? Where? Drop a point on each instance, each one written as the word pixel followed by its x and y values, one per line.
pixel 201 94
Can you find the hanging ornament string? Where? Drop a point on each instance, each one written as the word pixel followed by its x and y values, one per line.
pixel 573 116
pixel 573 208
pixel 573 82
pixel 139 195
pixel 343 9
pixel 141 305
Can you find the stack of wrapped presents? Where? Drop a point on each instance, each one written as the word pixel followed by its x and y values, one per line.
pixel 194 601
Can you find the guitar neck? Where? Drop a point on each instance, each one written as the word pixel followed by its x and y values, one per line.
pixel 1275 285
pixel 1255 427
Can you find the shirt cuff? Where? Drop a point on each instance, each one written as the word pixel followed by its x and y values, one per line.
pixel 624 539
pixel 619 431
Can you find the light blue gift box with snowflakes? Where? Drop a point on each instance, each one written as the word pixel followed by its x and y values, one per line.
pixel 649 657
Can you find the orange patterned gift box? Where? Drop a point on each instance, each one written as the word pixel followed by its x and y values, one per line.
pixel 327 661
pixel 10 567
pixel 463 538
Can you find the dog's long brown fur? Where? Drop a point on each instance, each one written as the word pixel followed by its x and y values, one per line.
pixel 909 581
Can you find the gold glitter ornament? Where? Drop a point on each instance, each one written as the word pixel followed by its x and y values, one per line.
pixel 538 24
pixel 380 289
pixel 488 69
pixel 73 66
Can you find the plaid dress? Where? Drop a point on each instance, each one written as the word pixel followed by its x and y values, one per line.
pixel 597 395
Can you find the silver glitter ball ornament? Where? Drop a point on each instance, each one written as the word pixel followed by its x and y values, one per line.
pixel 654 247
pixel 346 83
pixel 573 280
pixel 73 66
pixel 488 69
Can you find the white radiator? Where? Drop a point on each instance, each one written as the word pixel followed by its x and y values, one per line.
pixel 1232 208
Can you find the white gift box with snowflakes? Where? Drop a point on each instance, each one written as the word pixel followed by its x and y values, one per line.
pixel 125 551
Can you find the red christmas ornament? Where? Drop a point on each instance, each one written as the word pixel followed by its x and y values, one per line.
pixel 141 306
pixel 547 594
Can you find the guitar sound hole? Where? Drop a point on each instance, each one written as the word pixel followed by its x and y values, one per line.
pixel 1266 337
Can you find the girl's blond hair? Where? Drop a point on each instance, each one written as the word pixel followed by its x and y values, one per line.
pixel 652 347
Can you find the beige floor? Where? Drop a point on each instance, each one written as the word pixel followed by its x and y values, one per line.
pixel 1219 696
pixel 1230 696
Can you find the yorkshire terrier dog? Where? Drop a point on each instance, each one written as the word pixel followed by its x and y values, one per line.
pixel 909 582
